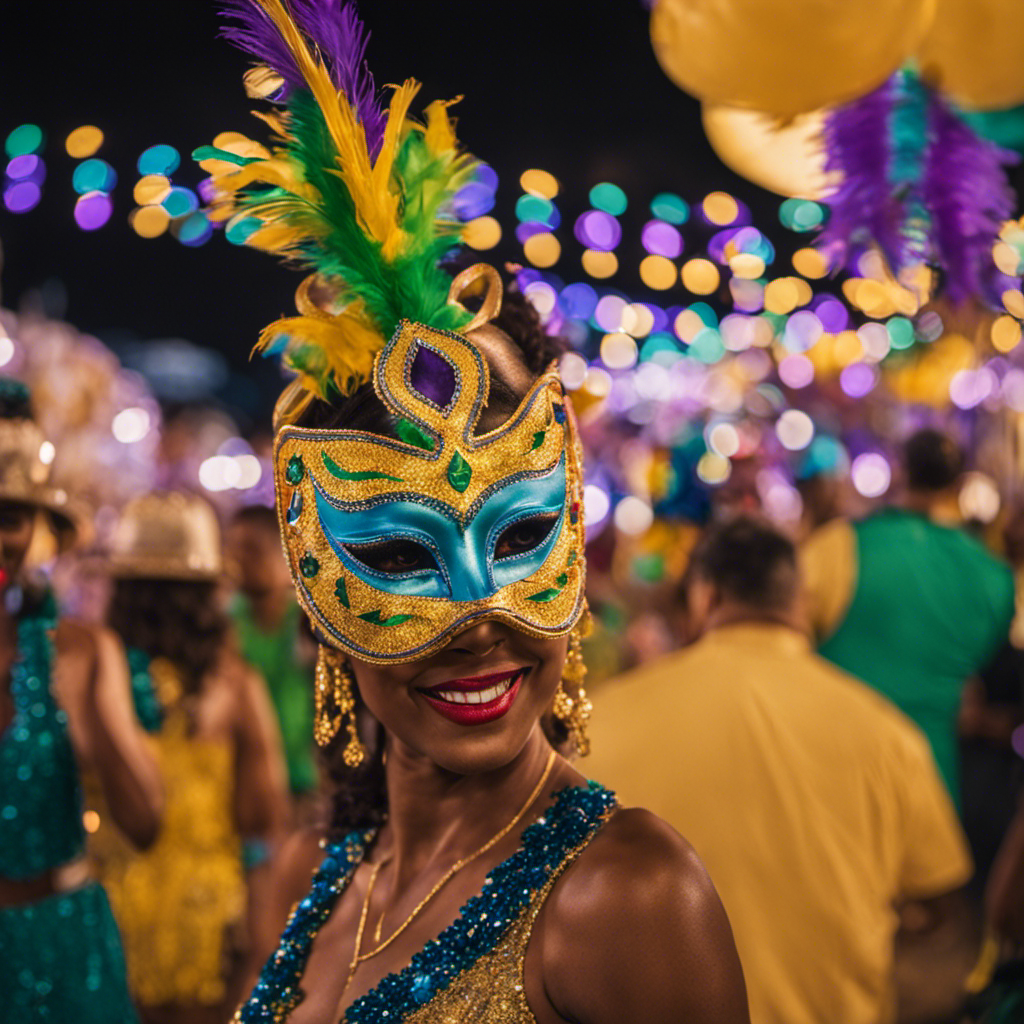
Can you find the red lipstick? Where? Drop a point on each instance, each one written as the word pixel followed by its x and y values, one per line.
pixel 477 700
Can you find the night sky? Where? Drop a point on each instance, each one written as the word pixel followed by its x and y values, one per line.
pixel 582 98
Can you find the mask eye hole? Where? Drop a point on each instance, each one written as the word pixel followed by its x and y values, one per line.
pixel 524 536
pixel 393 556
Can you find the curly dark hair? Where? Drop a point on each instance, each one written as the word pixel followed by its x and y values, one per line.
pixel 359 799
pixel 180 620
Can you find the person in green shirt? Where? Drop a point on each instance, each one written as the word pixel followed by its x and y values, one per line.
pixel 908 601
pixel 267 624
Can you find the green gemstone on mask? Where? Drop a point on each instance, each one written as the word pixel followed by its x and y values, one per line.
pixel 343 474
pixel 543 596
pixel 411 434
pixel 572 558
pixel 391 620
pixel 459 473
pixel 295 470
pixel 538 439
pixel 562 580
pixel 308 566
pixel 341 591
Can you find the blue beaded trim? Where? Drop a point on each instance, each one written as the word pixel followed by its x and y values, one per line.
pixel 569 823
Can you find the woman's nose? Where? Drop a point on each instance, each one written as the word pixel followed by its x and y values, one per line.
pixel 479 640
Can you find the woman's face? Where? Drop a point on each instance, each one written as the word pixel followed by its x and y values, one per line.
pixel 471 707
pixel 17 523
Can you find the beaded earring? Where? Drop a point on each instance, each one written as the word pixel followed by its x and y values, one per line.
pixel 334 687
pixel 574 712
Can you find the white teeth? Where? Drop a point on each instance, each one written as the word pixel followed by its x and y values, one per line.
pixel 475 696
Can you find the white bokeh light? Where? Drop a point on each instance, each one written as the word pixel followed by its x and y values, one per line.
pixel 131 425
pixel 795 430
pixel 633 516
pixel 871 474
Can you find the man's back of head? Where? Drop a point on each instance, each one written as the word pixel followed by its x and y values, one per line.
pixel 933 461
pixel 743 570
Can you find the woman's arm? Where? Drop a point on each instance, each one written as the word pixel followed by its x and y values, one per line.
pixel 635 931
pixel 115 744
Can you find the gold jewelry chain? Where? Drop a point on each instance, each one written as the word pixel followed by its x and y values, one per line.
pixel 362 924
pixel 453 870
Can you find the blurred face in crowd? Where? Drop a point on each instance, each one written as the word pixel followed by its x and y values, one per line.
pixel 255 558
pixel 17 524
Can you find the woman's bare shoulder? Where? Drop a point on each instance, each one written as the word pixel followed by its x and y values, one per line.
pixel 659 946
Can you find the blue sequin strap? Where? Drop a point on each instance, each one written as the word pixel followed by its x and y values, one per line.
pixel 568 824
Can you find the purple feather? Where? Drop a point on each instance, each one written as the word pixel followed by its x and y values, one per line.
pixel 255 34
pixel 969 198
pixel 862 206
pixel 334 30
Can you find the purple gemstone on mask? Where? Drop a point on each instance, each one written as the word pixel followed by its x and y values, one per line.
pixel 432 376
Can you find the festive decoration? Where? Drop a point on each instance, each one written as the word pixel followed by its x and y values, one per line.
pixel 974 52
pixel 784 157
pixel 786 58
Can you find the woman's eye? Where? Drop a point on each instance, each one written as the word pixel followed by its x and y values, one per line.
pixel 524 536
pixel 393 556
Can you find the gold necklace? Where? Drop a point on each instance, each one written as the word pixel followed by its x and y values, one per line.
pixel 445 878
pixel 362 924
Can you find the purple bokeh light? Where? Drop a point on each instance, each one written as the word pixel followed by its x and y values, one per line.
pixel 661 239
pixel 598 230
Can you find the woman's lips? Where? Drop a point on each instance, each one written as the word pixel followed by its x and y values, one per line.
pixel 475 701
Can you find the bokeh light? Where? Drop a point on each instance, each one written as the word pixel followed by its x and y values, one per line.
pixel 26 138
pixel 713 468
pixel 536 209
pixel 979 498
pixel 473 200
pixel 195 230
pixel 539 183
pixel 609 198
pixel 180 201
pixel 543 250
pixel 159 159
pixel 93 175
pixel 658 272
pixel 28 165
pixel 618 351
pixel 700 276
pixel 801 214
pixel 22 196
pixel 131 424
pixel 858 379
pixel 151 189
pixel 660 238
pixel 810 263
pixel 871 474
pixel 93 210
pixel 597 229
pixel 149 221
pixel 579 300
pixel 482 233
pixel 599 264
pixel 669 207
pixel 724 439
pixel 875 340
pixel 1006 333
pixel 573 370
pixel 803 331
pixel 720 208
pixel 596 505
pixel 633 516
pixel 83 142
pixel 796 371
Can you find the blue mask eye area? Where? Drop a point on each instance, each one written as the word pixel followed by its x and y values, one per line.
pixel 525 535
pixel 396 556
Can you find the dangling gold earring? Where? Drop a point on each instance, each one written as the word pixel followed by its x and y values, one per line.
pixel 574 712
pixel 334 686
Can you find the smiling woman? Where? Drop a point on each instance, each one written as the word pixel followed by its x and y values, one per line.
pixel 429 491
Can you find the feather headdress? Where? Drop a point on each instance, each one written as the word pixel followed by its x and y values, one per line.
pixel 355 191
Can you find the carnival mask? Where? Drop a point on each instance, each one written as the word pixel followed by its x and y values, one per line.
pixel 395 545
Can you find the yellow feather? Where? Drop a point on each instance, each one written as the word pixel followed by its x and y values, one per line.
pixel 440 133
pixel 275 237
pixel 269 172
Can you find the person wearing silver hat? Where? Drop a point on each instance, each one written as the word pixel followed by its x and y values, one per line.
pixel 180 904
pixel 64 705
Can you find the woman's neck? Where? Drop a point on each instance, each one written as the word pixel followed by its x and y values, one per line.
pixel 434 814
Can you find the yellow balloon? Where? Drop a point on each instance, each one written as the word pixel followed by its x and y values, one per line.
pixel 785 57
pixel 974 51
pixel 786 157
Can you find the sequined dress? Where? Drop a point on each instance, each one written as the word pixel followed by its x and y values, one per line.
pixel 60 956
pixel 177 901
pixel 473 972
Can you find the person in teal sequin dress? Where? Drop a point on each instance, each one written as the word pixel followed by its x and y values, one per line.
pixel 64 703
pixel 429 487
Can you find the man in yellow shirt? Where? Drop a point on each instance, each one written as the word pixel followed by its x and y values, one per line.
pixel 815 804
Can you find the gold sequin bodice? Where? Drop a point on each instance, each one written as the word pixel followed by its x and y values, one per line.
pixel 176 901
pixel 492 991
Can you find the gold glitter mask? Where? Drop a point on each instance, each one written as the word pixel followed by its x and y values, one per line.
pixel 395 545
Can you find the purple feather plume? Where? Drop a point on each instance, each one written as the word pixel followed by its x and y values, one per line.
pixel 862 206
pixel 252 30
pixel 969 198
pixel 334 30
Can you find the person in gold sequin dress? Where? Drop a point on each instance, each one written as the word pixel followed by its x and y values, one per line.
pixel 429 488
pixel 181 905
